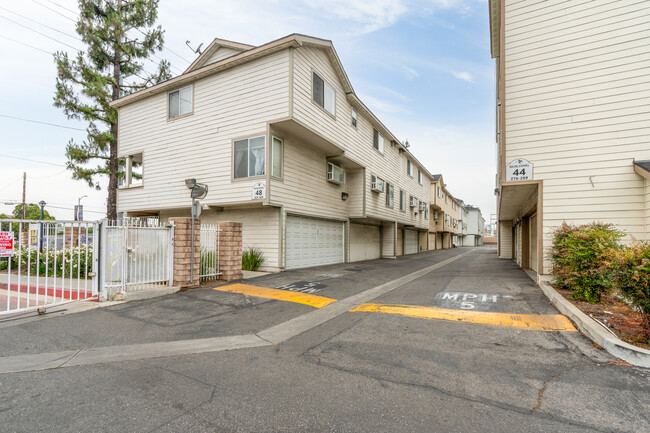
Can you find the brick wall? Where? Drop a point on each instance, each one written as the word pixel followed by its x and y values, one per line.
pixel 230 251
pixel 183 249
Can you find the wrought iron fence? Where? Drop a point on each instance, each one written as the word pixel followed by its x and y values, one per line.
pixel 210 237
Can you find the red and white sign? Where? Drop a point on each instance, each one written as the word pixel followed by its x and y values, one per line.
pixel 6 244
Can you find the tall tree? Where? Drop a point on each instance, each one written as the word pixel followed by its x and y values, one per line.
pixel 117 34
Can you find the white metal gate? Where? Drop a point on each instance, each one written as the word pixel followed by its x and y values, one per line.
pixel 210 237
pixel 136 255
pixel 46 263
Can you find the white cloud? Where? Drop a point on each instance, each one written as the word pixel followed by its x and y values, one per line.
pixel 410 73
pixel 464 75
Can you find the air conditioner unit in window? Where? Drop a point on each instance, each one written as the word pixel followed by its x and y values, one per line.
pixel 414 202
pixel 423 205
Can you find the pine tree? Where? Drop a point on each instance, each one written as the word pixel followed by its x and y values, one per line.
pixel 117 34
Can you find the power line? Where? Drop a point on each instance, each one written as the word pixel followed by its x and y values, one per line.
pixel 42 123
pixel 56 12
pixel 42 34
pixel 39 23
pixel 27 45
pixel 32 160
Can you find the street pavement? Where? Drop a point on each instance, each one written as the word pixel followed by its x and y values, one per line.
pixel 453 340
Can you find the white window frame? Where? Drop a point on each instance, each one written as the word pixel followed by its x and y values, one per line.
pixel 180 114
pixel 409 167
pixel 273 166
pixel 355 117
pixel 380 141
pixel 402 200
pixel 331 174
pixel 390 195
pixel 329 94
pixel 234 156
pixel 420 176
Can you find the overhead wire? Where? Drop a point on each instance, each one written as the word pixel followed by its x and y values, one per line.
pixel 42 123
pixel 40 33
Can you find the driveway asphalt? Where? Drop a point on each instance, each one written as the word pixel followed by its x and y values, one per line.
pixel 330 369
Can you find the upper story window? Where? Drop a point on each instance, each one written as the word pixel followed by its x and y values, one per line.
pixel 402 200
pixel 335 174
pixel 439 192
pixel 277 149
pixel 249 157
pixel 409 167
pixel 354 117
pixel 323 94
pixel 377 140
pixel 420 177
pixel 389 194
pixel 180 102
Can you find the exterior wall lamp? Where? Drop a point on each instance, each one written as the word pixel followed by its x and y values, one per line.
pixel 345 196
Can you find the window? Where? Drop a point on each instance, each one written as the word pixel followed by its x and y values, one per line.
pixel 402 200
pixel 446 197
pixel 426 213
pixel 323 94
pixel 354 117
pixel 335 174
pixel 389 194
pixel 180 102
pixel 378 140
pixel 133 171
pixel 376 184
pixel 439 192
pixel 409 167
pixel 277 148
pixel 420 177
pixel 250 157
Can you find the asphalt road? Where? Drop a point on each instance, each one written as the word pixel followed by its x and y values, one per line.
pixel 327 369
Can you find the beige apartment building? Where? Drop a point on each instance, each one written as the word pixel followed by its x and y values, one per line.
pixel 285 146
pixel 572 120
pixel 445 213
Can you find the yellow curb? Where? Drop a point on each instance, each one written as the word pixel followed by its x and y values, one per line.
pixel 281 295
pixel 533 322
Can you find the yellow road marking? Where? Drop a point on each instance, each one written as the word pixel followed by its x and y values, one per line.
pixel 282 295
pixel 555 322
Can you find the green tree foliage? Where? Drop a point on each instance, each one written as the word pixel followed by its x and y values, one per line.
pixel 117 34
pixel 582 257
pixel 632 276
pixel 32 212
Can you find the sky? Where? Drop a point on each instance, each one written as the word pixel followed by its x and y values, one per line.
pixel 422 66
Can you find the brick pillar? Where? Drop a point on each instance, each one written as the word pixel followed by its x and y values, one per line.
pixel 183 249
pixel 230 250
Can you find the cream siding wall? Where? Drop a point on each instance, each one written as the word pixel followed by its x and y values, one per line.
pixel 577 92
pixel 260 229
pixel 234 103
pixel 357 142
pixel 304 188
pixel 505 239
pixel 220 54
pixel 388 240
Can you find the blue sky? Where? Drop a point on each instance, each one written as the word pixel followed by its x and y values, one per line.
pixel 422 66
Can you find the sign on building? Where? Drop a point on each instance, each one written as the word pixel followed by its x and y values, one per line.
pixel 6 244
pixel 259 191
pixel 519 169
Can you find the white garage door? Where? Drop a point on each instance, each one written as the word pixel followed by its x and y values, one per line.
pixel 313 242
pixel 410 242
pixel 365 242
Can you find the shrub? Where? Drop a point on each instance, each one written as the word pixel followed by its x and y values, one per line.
pixel 632 276
pixel 67 262
pixel 582 256
pixel 252 259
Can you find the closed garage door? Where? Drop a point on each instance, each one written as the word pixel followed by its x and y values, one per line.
pixel 410 242
pixel 365 242
pixel 313 242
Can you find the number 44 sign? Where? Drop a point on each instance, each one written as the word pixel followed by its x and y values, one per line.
pixel 519 169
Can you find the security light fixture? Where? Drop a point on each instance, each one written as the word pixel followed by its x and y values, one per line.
pixel 199 191
pixel 190 183
pixel 345 196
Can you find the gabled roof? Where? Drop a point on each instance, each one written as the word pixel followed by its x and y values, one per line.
pixel 212 48
pixel 250 53
pixel 436 177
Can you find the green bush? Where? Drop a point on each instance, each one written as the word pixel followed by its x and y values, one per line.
pixel 582 257
pixel 252 259
pixel 632 276
pixel 67 262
